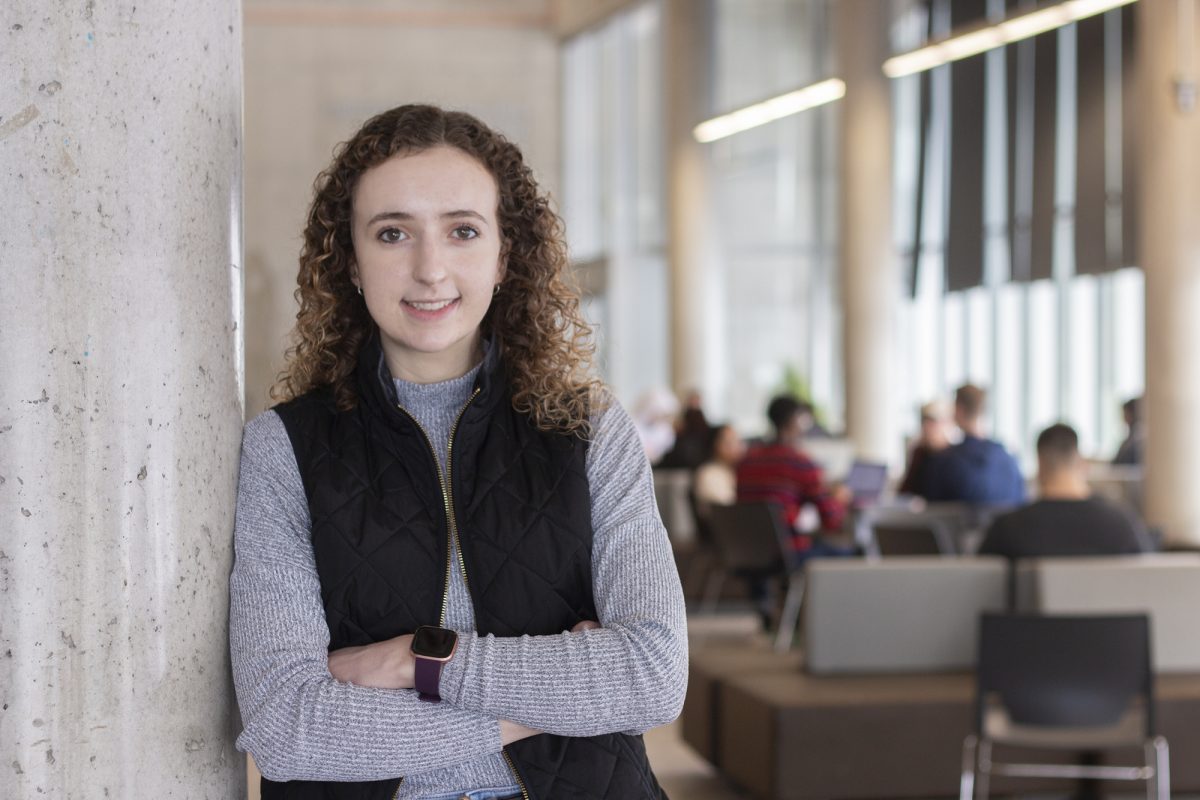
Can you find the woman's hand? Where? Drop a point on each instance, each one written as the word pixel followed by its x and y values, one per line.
pixel 585 625
pixel 383 665
pixel 389 665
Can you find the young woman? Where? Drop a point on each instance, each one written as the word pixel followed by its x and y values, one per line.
pixel 450 579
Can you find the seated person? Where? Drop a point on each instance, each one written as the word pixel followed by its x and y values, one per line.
pixel 932 440
pixel 1067 520
pixel 693 437
pixel 1130 451
pixel 780 472
pixel 977 470
pixel 716 479
pixel 810 428
pixel 652 416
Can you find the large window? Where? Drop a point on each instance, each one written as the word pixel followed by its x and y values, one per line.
pixel 772 190
pixel 776 212
pixel 1054 334
pixel 613 182
pixel 1059 344
pixel 1047 351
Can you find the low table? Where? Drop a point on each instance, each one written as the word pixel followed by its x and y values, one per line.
pixel 784 734
pixel 707 671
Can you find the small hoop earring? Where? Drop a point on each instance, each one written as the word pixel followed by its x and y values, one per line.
pixel 360 290
pixel 495 290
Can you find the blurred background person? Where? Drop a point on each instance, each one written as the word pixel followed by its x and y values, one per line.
pixel 716 479
pixel 654 416
pixel 977 470
pixel 780 472
pixel 693 436
pixel 1131 449
pixel 933 439
pixel 1067 519
pixel 810 426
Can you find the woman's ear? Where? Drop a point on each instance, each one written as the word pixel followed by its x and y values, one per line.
pixel 502 264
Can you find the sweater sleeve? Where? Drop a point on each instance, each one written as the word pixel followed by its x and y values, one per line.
pixel 300 723
pixel 630 674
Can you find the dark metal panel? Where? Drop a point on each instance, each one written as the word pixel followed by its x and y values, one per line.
pixel 1045 115
pixel 964 239
pixel 1128 255
pixel 1091 195
pixel 965 13
pixel 923 139
pixel 1019 68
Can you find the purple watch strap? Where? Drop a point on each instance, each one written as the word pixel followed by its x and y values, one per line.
pixel 427 677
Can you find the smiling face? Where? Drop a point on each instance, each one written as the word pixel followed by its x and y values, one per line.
pixel 427 258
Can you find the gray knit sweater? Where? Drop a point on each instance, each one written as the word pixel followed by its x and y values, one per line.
pixel 301 724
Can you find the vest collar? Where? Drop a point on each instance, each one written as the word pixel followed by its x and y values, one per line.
pixel 377 392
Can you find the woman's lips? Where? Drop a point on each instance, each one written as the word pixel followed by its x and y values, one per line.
pixel 430 309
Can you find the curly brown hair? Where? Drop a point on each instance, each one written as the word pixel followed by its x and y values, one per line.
pixel 534 318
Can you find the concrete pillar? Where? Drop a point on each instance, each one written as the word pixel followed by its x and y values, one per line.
pixel 1169 241
pixel 697 313
pixel 120 396
pixel 867 258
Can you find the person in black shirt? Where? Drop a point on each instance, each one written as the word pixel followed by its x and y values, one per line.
pixel 931 441
pixel 1067 520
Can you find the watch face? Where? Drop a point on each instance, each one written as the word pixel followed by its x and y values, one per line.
pixel 434 642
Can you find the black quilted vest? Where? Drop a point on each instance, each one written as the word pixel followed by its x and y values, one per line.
pixel 380 533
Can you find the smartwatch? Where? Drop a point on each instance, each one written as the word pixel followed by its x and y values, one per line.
pixel 432 648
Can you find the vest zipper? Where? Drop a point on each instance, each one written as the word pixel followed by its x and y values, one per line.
pixel 462 564
pixel 517 775
pixel 453 543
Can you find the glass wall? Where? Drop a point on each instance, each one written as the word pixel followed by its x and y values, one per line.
pixel 1048 351
pixel 775 195
pixel 614 207
pixel 1065 348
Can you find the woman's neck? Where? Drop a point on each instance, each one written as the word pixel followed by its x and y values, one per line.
pixel 451 363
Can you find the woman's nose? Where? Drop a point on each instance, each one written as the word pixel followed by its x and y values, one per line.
pixel 427 267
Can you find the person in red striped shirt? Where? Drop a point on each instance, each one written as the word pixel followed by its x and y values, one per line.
pixel 779 472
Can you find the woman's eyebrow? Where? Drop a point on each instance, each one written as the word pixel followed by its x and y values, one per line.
pixel 464 212
pixel 404 216
pixel 400 215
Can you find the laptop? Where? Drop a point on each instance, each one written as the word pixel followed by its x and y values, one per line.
pixel 866 480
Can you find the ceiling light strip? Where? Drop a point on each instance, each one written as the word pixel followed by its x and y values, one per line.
pixel 784 105
pixel 1011 30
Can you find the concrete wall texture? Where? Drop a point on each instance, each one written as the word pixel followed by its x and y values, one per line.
pixel 121 401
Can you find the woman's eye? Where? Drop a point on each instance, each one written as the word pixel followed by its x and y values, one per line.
pixel 465 232
pixel 391 235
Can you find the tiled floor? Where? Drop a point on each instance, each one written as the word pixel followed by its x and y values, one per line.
pixel 682 773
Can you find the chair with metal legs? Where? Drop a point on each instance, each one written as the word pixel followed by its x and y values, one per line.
pixel 750 540
pixel 1066 683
